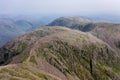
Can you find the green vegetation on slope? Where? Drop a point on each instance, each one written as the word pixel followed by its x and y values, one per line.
pixel 88 63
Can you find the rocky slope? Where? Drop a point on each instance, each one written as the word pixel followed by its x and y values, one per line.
pixel 58 53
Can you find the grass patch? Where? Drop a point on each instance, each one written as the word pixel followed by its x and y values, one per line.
pixel 1 77
pixel 13 73
pixel 40 75
pixel 33 60
pixel 13 79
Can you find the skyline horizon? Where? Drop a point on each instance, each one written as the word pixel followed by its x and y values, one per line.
pixel 59 7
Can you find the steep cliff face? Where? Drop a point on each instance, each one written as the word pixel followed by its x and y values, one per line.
pixel 58 53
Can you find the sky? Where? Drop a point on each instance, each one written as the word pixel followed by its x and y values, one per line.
pixel 81 7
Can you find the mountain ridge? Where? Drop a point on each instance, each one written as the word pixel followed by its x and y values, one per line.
pixel 105 31
pixel 58 53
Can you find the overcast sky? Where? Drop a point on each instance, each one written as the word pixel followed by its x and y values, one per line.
pixel 60 7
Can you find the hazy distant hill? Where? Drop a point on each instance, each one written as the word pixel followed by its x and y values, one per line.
pixel 13 27
pixel 58 53
pixel 8 30
pixel 69 21
pixel 111 18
